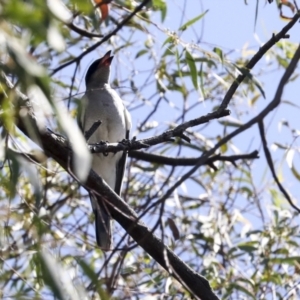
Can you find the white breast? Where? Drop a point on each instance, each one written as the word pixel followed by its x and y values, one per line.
pixel 105 105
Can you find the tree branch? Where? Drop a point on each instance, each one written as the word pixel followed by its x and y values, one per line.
pixel 271 165
pixel 256 58
pixel 83 32
pixel 273 104
pixel 164 137
pixel 106 38
pixel 119 210
pixel 174 161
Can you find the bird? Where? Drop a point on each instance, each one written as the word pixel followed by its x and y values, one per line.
pixel 101 102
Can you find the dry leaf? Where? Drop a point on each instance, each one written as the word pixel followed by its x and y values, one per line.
pixel 102 7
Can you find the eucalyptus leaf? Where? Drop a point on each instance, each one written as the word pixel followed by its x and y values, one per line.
pixel 192 66
pixel 191 22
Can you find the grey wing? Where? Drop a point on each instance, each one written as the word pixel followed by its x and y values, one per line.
pixel 80 114
pixel 120 169
pixel 80 125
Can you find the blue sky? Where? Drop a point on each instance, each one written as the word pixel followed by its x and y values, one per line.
pixel 228 25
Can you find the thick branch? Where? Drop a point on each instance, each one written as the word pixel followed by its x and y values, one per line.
pixel 122 213
pixel 164 137
pixel 256 58
pixel 273 104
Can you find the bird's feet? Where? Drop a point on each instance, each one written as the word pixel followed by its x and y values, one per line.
pixel 128 142
pixel 103 143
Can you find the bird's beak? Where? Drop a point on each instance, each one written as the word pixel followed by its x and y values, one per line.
pixel 106 60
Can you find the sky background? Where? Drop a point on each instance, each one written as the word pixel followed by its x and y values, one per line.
pixel 230 26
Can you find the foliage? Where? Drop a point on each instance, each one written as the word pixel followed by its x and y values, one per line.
pixel 235 226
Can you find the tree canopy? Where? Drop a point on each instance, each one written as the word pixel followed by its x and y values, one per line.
pixel 209 207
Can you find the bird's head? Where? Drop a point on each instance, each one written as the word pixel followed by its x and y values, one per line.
pixel 99 71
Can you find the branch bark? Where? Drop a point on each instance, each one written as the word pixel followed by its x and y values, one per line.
pixel 196 284
pixel 191 161
pixel 271 166
pixel 119 210
pixel 256 58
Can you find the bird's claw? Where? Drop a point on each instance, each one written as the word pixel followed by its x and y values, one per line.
pixel 103 143
pixel 126 142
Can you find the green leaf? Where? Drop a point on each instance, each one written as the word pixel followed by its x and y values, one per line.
pixel 224 147
pixel 160 5
pixel 201 74
pixel 243 289
pixel 89 272
pixel 168 52
pixel 14 166
pixel 209 62
pixel 219 52
pixel 51 274
pixel 295 173
pixel 290 103
pixel 83 6
pixel 169 40
pixel 280 146
pixel 192 65
pixel 246 190
pixel 282 61
pixel 178 63
pixel 230 121
pixel 135 25
pixel 285 260
pixel 254 99
pixel 191 22
pixel 248 74
pixel 140 53
pixel 247 247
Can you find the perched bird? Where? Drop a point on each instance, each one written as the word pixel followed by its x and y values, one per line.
pixel 101 102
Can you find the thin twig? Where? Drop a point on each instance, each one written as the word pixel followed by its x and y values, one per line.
pixel 83 32
pixel 256 58
pixel 106 38
pixel 271 165
pixel 191 161
pixel 274 103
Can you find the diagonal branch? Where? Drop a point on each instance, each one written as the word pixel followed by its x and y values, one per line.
pixel 84 32
pixel 191 161
pixel 273 104
pixel 256 58
pixel 221 112
pixel 271 165
pixel 106 38
pixel 164 137
pixel 119 210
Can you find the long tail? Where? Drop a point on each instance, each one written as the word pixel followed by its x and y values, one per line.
pixel 102 224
